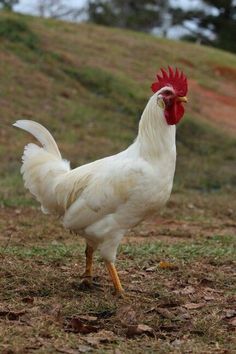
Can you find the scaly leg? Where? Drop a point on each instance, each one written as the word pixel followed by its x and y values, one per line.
pixel 89 262
pixel 115 278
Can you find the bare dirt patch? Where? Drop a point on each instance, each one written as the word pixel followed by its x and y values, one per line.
pixel 218 107
pixel 226 72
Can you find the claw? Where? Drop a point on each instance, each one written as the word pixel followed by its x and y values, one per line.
pixel 86 283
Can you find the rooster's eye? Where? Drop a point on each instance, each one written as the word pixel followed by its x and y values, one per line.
pixel 167 92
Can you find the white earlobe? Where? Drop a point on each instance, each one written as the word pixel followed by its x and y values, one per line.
pixel 160 102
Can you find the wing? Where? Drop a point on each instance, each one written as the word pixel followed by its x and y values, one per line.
pixel 100 190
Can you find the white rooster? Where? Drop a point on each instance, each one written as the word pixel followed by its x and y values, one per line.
pixel 103 199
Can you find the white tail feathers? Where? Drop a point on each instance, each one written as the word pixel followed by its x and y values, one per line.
pixel 40 133
pixel 42 167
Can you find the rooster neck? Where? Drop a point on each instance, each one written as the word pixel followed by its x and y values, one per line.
pixel 156 139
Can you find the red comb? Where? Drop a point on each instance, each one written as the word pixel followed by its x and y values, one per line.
pixel 176 79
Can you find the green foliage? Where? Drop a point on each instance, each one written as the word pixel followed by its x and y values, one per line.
pixel 137 15
pixel 17 31
pixel 218 16
pixel 8 4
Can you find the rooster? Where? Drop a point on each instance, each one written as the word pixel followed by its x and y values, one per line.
pixel 103 199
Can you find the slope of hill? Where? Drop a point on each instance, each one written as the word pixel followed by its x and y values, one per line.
pixel 89 84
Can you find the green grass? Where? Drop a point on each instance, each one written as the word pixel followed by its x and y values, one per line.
pixel 52 252
pixel 216 248
pixel 17 31
pixel 207 156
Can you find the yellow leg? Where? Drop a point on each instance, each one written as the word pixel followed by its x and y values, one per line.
pixel 89 262
pixel 114 277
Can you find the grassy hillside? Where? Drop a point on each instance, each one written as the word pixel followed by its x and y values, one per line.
pixel 89 85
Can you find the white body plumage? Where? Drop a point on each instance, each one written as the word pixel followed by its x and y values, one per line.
pixel 103 199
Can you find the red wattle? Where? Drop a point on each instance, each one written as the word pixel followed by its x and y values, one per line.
pixel 174 113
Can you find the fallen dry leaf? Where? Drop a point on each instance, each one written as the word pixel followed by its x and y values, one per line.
pixel 127 315
pixel 66 350
pixel 84 348
pixel 209 298
pixel 184 316
pixel 230 313
pixel 232 321
pixel 169 328
pixel 153 308
pixel 75 325
pixel 187 290
pixel 165 313
pixel 92 340
pixel 191 206
pixel 11 315
pixel 102 336
pixel 3 313
pixel 87 318
pixel 213 290
pixel 206 282
pixel 105 336
pixel 167 265
pixel 193 306
pixel 151 269
pixel 28 300
pixel 105 313
pixel 139 329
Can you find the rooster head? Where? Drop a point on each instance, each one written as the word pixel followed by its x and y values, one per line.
pixel 171 88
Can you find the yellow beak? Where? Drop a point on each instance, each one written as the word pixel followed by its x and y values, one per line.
pixel 182 99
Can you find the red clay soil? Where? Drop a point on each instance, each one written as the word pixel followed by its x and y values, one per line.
pixel 220 108
pixel 226 72
pixel 217 107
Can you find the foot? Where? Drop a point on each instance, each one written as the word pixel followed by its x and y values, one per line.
pixel 120 295
pixel 88 282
